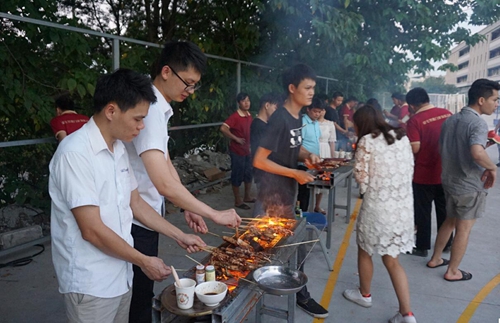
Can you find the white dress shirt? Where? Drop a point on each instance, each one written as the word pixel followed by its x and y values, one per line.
pixel 83 171
pixel 153 136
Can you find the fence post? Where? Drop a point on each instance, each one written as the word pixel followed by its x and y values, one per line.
pixel 116 54
pixel 238 77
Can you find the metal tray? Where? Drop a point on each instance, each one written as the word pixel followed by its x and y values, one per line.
pixel 279 280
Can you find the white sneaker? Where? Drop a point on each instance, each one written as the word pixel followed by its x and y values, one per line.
pixel 399 318
pixel 354 295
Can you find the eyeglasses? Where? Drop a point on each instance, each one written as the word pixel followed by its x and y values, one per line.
pixel 189 87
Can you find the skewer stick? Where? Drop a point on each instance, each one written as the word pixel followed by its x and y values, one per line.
pixel 214 234
pixel 207 250
pixel 196 261
pixel 236 234
pixel 295 244
pixel 248 281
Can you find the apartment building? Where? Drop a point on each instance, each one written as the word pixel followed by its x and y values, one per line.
pixel 474 62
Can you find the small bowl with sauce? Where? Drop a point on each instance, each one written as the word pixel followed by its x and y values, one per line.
pixel 211 293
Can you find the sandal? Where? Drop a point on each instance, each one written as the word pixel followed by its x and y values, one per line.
pixel 243 206
pixel 320 210
pixel 444 263
pixel 465 276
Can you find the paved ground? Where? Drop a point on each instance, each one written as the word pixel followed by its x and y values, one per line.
pixel 29 293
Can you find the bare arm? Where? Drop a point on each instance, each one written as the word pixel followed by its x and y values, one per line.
pixel 102 237
pixel 415 147
pixel 339 128
pixel 262 161
pixel 226 132
pixel 482 159
pixel 61 135
pixel 148 216
pixel 332 147
pixel 160 171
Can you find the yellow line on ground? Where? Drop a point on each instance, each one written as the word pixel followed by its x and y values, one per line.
pixel 478 299
pixel 334 275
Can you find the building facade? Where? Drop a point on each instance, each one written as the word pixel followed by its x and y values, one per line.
pixel 474 62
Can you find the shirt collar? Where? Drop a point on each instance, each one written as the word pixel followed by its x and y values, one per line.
pixel 68 112
pixel 471 110
pixel 307 119
pixel 243 113
pixel 161 103
pixel 97 142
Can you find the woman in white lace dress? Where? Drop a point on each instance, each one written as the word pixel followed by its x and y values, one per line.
pixel 384 170
pixel 326 148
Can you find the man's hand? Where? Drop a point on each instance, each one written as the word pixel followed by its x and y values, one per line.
pixel 488 178
pixel 302 177
pixel 155 269
pixel 191 243
pixel 314 159
pixel 195 222
pixel 239 140
pixel 229 218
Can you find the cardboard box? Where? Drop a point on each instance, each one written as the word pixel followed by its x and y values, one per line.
pixel 214 174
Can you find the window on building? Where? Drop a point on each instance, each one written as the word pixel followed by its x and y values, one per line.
pixel 463 65
pixel 462 79
pixel 464 51
pixel 495 34
pixel 494 71
pixel 495 52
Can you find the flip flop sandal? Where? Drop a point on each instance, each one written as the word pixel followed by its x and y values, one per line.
pixel 243 206
pixel 444 263
pixel 251 201
pixel 465 276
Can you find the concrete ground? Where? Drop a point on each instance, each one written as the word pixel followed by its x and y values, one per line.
pixel 29 293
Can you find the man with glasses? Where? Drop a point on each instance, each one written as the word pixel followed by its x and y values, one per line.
pixel 175 76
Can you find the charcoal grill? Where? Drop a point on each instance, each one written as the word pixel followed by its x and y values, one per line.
pixel 246 297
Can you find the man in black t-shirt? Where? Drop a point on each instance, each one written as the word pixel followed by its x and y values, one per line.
pixel 277 156
pixel 332 114
pixel 268 104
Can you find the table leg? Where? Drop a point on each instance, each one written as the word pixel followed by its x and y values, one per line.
pixel 330 216
pixel 349 192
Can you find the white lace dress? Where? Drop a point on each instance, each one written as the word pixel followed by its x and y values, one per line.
pixel 328 135
pixel 385 172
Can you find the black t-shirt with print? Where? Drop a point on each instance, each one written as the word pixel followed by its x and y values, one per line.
pixel 283 137
pixel 257 130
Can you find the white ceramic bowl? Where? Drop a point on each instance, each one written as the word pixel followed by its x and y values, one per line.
pixel 211 293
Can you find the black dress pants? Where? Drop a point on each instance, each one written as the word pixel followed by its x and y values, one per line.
pixel 304 193
pixel 146 242
pixel 423 196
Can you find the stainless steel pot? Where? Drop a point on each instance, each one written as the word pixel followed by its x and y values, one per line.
pixel 279 280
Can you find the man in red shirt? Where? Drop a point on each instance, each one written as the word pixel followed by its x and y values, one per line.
pixel 67 120
pixel 423 130
pixel 237 128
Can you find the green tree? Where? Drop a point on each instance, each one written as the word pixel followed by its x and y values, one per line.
pixel 435 85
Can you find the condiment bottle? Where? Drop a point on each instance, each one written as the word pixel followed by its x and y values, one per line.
pixel 210 273
pixel 298 210
pixel 200 274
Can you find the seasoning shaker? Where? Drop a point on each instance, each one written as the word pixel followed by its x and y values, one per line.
pixel 200 274
pixel 210 273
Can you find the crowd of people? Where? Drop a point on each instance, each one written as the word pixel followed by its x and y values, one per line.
pixel 105 230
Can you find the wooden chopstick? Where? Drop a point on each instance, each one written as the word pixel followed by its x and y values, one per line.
pixel 214 234
pixel 196 261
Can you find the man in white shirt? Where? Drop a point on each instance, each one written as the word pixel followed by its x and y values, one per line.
pixel 94 198
pixel 175 77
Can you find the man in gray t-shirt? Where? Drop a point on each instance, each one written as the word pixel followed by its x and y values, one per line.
pixel 467 173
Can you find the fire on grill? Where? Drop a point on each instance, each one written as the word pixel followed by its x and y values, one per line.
pixel 250 250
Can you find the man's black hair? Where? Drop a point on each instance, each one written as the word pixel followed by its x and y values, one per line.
pixel 317 103
pixel 180 55
pixel 241 96
pixel 271 98
pixel 395 95
pixel 482 88
pixel 65 102
pixel 417 97
pixel 124 87
pixel 351 98
pixel 296 74
pixel 336 94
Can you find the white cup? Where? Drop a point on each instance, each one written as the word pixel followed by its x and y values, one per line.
pixel 335 154
pixel 185 293
pixel 348 155
pixel 341 154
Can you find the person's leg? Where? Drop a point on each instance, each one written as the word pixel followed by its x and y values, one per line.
pixel 317 206
pixel 365 270
pixel 463 228
pixel 440 207
pixel 84 308
pixel 399 282
pixel 498 146
pixel 302 295
pixel 146 242
pixel 123 310
pixel 236 177
pixel 441 239
pixel 422 195
pixel 247 179
pixel 303 195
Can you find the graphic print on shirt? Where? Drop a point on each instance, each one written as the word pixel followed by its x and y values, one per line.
pixel 296 137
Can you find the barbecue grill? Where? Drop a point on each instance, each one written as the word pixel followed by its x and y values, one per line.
pixel 240 302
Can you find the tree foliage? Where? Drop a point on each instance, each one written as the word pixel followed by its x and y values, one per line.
pixel 435 85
